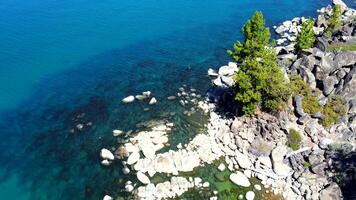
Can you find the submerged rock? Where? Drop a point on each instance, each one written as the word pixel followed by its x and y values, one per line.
pixel 107 197
pixel 153 101
pixel 128 99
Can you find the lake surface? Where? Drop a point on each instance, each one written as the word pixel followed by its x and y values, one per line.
pixel 64 63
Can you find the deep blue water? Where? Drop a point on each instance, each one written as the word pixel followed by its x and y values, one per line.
pixel 60 59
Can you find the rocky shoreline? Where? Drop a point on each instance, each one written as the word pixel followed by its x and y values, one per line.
pixel 255 146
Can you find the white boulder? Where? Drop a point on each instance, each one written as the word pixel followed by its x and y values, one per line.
pixel 243 160
pixel 143 178
pixel 116 133
pixel 221 167
pixel 250 195
pixel 153 101
pixel 240 179
pixel 107 197
pixel 106 154
pixel 133 158
pixel 128 99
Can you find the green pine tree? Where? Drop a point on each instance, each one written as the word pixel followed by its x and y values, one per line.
pixel 259 81
pixel 306 37
pixel 334 22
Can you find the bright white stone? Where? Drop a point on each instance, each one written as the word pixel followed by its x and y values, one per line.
pixel 250 195
pixel 153 101
pixel 243 160
pixel 240 179
pixel 133 158
pixel 257 187
pixel 105 162
pixel 143 178
pixel 106 154
pixel 107 197
pixel 221 167
pixel 129 188
pixel 116 133
pixel 128 99
pixel 146 93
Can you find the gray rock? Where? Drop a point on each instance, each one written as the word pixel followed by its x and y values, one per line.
pixel 321 43
pixel 321 21
pixel 298 103
pixel 343 59
pixel 329 84
pixel 332 192
pixel 307 76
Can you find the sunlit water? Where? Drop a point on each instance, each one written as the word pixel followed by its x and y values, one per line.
pixel 68 62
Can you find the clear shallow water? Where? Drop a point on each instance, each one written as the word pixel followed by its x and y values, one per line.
pixel 60 59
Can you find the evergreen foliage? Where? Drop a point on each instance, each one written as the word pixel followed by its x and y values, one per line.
pixel 306 37
pixel 334 22
pixel 332 111
pixel 259 81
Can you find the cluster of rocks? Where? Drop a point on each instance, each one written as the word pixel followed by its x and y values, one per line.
pixel 175 187
pixel 256 146
pixel 223 78
pixel 327 73
pixel 140 97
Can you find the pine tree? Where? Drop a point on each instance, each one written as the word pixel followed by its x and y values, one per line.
pixel 334 20
pixel 256 35
pixel 259 81
pixel 306 37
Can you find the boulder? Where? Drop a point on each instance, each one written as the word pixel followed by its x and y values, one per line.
pixel 278 153
pixel 146 93
pixel 143 178
pixel 153 101
pixel 240 179
pixel 227 70
pixel 243 160
pixel 250 195
pixel 344 59
pixel 140 97
pixel 332 192
pixel 107 197
pixel 329 84
pixel 106 154
pixel 281 169
pixel 133 158
pixel 228 81
pixel 105 162
pixel 116 133
pixel 221 167
pixel 298 103
pixel 212 73
pixel 129 188
pixel 128 99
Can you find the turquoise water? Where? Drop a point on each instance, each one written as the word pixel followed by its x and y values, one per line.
pixel 60 59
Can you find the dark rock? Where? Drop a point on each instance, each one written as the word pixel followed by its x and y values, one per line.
pixel 332 192
pixel 349 87
pixel 321 43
